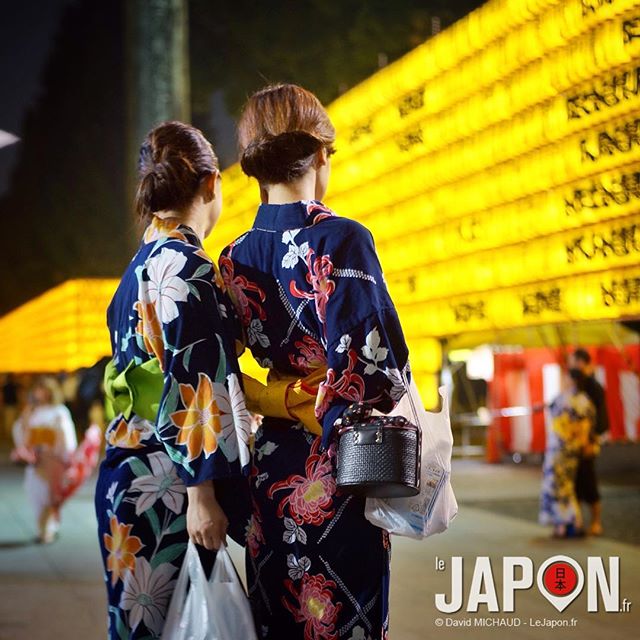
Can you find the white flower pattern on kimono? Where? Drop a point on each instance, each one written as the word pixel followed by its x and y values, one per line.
pixel 359 634
pixel 265 363
pixel 297 567
pixel 345 343
pixel 255 334
pixel 237 432
pixel 164 287
pixel 294 252
pixel 146 594
pixel 373 351
pixel 111 493
pixel 398 388
pixel 164 484
pixel 293 532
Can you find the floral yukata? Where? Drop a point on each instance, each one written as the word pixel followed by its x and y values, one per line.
pixel 309 289
pixel 170 305
pixel 572 420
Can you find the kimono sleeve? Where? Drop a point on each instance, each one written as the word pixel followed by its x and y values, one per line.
pixel 366 351
pixel 202 420
pixel 68 441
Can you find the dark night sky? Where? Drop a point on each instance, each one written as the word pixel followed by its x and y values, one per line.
pixel 27 32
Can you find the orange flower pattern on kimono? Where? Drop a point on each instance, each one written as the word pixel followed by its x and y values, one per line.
pixel 122 549
pixel 150 329
pixel 123 436
pixel 200 423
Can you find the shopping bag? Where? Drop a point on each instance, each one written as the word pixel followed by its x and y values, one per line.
pixel 217 609
pixel 188 617
pixel 432 510
pixel 229 604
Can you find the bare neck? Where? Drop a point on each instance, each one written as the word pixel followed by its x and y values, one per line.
pixel 284 193
pixel 194 218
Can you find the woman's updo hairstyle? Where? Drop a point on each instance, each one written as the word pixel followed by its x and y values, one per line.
pixel 281 129
pixel 174 159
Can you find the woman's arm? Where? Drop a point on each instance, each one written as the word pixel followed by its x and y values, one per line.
pixel 202 420
pixel 367 355
pixel 68 441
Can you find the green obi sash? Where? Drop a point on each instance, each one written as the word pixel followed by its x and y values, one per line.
pixel 138 389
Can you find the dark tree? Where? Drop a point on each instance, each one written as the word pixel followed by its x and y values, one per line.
pixel 326 46
pixel 66 198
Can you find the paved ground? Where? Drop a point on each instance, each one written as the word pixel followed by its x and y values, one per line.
pixel 57 591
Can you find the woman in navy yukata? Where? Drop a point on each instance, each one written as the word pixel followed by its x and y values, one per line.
pixel 178 440
pixel 310 291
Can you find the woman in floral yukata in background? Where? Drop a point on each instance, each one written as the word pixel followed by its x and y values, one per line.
pixel 310 292
pixel 573 417
pixel 171 458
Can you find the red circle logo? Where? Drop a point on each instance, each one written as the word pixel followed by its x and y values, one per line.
pixel 560 578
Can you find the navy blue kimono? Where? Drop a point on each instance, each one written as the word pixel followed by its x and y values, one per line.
pixel 170 305
pixel 309 289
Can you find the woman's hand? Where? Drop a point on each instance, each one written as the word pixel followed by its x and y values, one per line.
pixel 206 522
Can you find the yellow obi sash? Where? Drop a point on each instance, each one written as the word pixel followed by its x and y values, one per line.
pixel 286 397
pixel 138 389
pixel 40 436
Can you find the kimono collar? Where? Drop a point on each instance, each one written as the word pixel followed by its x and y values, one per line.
pixel 294 215
pixel 170 228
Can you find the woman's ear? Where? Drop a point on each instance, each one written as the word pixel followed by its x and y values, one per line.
pixel 208 187
pixel 322 157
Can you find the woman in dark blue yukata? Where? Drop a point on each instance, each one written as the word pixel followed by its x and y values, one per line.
pixel 177 443
pixel 309 289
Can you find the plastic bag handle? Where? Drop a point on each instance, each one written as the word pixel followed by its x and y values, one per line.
pixel 407 386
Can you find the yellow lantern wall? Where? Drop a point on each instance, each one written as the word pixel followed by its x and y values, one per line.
pixel 64 329
pixel 498 167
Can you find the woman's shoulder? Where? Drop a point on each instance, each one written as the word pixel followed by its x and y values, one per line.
pixel 583 404
pixel 63 411
pixel 175 256
pixel 238 241
pixel 340 231
pixel 344 223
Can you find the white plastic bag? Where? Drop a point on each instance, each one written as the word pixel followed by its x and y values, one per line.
pixel 230 606
pixel 435 506
pixel 217 609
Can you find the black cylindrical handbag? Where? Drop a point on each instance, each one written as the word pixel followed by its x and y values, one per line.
pixel 378 456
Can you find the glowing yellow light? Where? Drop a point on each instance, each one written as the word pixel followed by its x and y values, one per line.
pixel 64 329
pixel 483 165
pixel 498 167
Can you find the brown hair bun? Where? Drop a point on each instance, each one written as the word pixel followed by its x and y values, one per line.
pixel 280 158
pixel 174 158
pixel 281 129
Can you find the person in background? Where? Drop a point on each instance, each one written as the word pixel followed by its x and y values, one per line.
pixel 45 437
pixel 573 417
pixel 586 477
pixel 10 403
